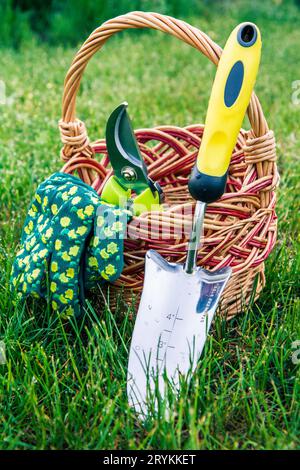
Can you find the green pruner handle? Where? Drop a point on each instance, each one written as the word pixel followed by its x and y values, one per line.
pixel 114 193
pixel 230 97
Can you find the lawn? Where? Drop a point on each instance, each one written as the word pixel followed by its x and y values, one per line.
pixel 65 387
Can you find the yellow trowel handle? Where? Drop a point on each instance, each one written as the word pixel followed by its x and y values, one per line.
pixel 230 96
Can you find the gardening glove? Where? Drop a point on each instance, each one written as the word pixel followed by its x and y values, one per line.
pixel 104 253
pixel 65 247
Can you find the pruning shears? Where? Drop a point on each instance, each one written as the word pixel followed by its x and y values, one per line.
pixel 130 172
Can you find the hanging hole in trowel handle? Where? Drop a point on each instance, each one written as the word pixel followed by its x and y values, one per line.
pixel 247 35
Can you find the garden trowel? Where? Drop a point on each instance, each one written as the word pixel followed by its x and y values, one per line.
pixel 178 302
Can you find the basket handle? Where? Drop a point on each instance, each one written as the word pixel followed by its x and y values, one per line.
pixel 73 132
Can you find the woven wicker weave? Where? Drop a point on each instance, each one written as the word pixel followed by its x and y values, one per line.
pixel 240 229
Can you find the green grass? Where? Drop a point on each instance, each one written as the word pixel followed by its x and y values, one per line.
pixel 65 387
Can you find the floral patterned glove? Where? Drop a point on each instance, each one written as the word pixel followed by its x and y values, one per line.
pixel 71 240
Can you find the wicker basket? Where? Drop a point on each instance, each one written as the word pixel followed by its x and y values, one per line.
pixel 240 229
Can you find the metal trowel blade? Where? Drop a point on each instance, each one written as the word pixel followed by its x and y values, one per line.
pixel 173 319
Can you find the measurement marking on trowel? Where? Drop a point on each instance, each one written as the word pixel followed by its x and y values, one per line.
pixel 177 318
pixel 163 340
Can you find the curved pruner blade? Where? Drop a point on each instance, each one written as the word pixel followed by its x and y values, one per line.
pixel 124 153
